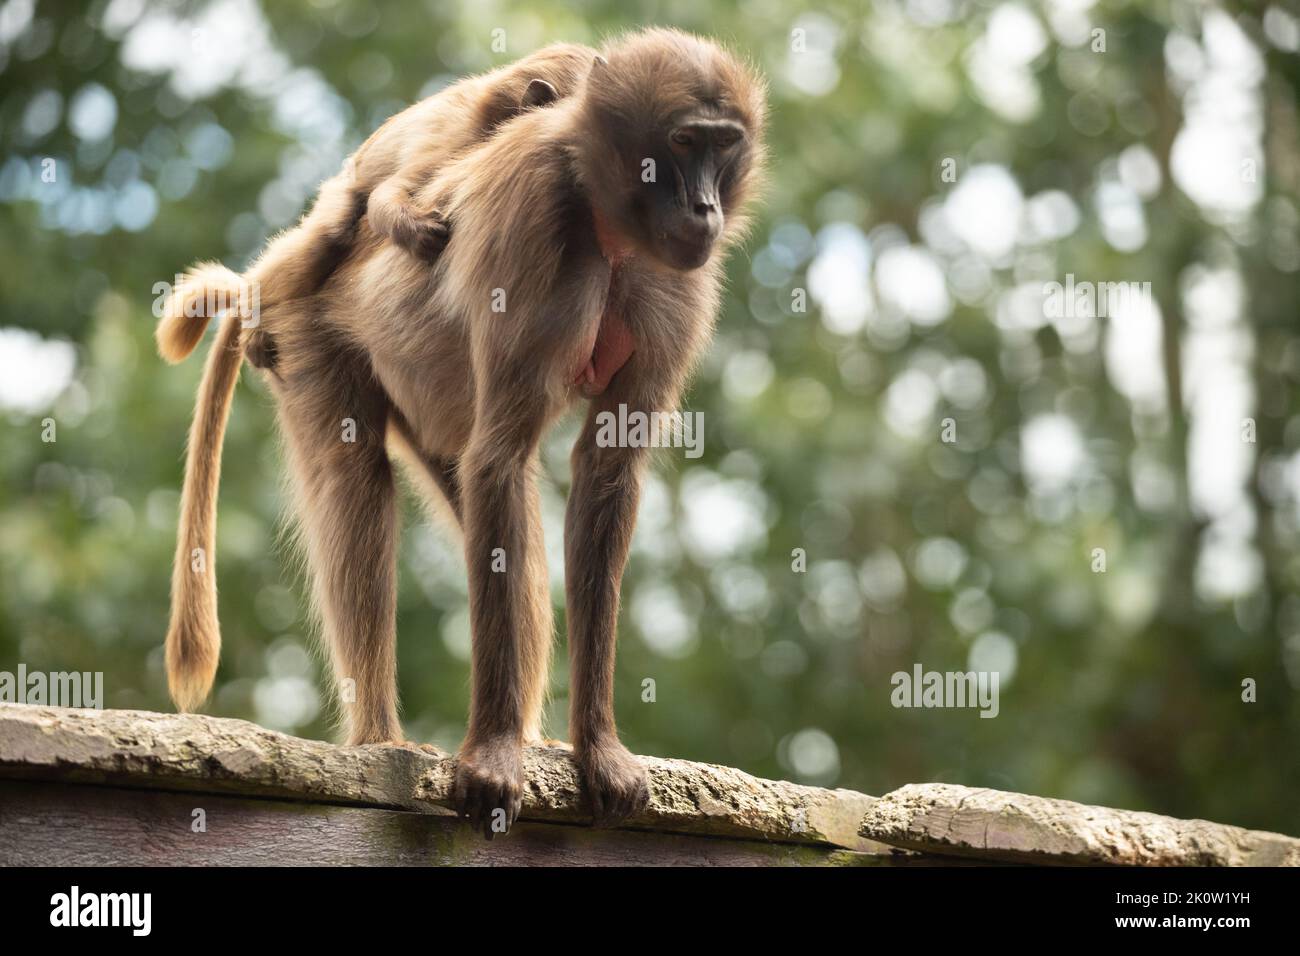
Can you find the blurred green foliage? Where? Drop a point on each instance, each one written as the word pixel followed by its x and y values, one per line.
pixel 194 130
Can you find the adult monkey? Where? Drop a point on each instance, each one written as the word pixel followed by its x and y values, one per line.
pixel 585 262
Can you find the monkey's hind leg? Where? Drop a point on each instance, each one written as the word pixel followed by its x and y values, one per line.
pixel 333 416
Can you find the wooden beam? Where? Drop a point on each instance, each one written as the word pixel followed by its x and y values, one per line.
pixel 217 755
pixel 56 824
pixel 1016 828
pixel 85 786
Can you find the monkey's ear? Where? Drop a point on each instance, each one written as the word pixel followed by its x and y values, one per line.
pixel 599 63
pixel 539 93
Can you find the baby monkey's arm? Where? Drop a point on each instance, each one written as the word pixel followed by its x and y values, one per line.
pixel 423 230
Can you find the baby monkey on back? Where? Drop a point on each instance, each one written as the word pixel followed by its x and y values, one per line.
pixel 378 182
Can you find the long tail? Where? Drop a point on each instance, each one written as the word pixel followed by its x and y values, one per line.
pixel 292 266
pixel 194 636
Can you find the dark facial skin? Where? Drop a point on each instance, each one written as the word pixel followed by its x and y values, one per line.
pixel 682 212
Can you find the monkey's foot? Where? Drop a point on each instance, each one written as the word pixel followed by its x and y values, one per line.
pixel 490 785
pixel 424 235
pixel 616 782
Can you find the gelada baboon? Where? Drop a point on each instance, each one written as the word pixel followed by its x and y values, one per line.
pixel 377 182
pixel 585 263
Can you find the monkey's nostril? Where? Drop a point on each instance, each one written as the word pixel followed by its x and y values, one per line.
pixel 703 208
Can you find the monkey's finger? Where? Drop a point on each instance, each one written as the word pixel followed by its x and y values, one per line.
pixel 477 810
pixel 470 811
pixel 486 801
pixel 508 806
pixel 460 796
pixel 506 801
pixel 458 787
pixel 490 807
pixel 624 810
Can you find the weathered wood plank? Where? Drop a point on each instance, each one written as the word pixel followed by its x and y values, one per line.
pixel 281 799
pixel 57 824
pixel 219 755
pixel 1013 827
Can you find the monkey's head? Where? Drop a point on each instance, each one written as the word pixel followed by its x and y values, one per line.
pixel 675 148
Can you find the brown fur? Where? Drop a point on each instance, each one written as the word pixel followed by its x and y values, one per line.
pixel 418 356
pixel 376 183
pixel 193 641
pixel 400 155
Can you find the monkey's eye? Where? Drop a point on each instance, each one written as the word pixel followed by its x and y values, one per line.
pixel 726 139
pixel 682 137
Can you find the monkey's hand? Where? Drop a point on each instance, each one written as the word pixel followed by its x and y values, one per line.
pixel 418 227
pixel 490 784
pixel 615 779
pixel 423 235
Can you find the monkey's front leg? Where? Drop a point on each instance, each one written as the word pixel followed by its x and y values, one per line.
pixel 597 534
pixel 510 617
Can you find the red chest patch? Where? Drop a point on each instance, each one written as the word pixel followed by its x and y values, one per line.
pixel 613 344
pixel 610 352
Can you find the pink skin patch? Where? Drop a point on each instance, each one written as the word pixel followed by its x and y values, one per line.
pixel 613 347
pixel 614 344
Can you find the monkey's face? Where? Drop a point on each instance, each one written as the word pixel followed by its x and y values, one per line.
pixel 675 147
pixel 682 211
